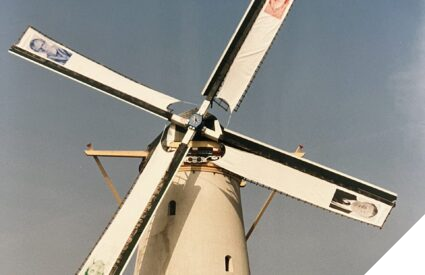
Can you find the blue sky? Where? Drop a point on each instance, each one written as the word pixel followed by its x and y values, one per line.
pixel 344 78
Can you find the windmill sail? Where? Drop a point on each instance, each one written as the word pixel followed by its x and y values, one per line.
pixel 306 180
pixel 46 52
pixel 249 158
pixel 120 238
pixel 245 52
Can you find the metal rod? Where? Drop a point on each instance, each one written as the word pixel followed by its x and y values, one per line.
pixel 108 181
pixel 260 214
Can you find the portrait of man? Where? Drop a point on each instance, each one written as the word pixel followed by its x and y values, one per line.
pixel 348 203
pixel 51 51
pixel 276 8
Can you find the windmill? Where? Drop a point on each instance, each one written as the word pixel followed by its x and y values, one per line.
pixel 226 156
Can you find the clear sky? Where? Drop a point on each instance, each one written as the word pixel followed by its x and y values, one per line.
pixel 344 78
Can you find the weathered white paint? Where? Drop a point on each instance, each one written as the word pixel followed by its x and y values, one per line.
pixel 207 227
pixel 117 234
pixel 95 71
pixel 297 184
pixel 252 51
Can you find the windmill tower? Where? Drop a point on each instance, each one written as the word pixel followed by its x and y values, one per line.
pixel 204 235
pixel 201 209
pixel 186 197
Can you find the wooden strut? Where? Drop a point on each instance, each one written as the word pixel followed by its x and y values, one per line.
pixel 142 154
pixel 108 181
pixel 120 154
pixel 260 214
pixel 299 152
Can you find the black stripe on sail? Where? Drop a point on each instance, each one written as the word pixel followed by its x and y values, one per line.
pixel 93 83
pixel 306 167
pixel 152 205
pixel 234 47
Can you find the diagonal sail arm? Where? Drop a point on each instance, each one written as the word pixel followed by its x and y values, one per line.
pixel 117 243
pixel 120 238
pixel 245 52
pixel 305 180
pixel 255 147
pixel 232 49
pixel 44 51
pixel 138 230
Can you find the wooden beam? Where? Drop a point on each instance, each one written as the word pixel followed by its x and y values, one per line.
pixel 117 154
pixel 114 153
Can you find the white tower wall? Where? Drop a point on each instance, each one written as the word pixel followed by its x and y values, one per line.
pixel 206 234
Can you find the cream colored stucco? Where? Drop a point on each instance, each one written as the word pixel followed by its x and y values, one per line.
pixel 207 227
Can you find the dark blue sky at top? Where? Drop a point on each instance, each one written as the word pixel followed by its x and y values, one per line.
pixel 344 78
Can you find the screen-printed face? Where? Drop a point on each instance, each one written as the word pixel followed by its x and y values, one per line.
pixel 276 8
pixel 50 50
pixel 350 204
pixel 364 209
pixel 97 268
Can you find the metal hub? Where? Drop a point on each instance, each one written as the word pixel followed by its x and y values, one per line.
pixel 195 121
